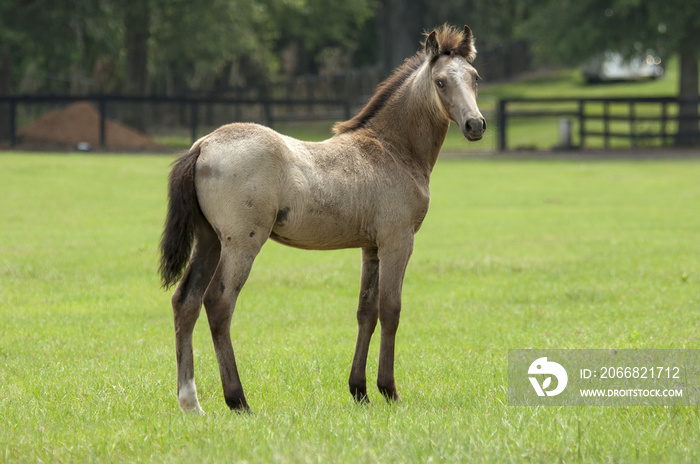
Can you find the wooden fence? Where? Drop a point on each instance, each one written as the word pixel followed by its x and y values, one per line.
pixel 642 121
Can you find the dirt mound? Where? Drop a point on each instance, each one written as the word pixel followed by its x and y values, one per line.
pixel 80 122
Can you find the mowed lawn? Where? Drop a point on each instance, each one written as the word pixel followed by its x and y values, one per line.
pixel 513 254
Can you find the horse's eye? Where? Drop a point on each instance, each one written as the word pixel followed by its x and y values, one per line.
pixel 440 83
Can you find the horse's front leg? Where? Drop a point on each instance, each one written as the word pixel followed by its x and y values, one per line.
pixel 367 314
pixel 393 259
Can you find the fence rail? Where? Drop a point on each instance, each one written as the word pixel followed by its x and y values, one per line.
pixel 194 104
pixel 634 121
pixel 607 118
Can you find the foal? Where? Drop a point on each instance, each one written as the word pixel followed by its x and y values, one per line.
pixel 366 187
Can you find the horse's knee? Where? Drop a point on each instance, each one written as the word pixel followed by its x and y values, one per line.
pixel 389 315
pixel 219 317
pixel 219 302
pixel 214 295
pixel 187 298
pixel 182 292
pixel 185 312
pixel 367 314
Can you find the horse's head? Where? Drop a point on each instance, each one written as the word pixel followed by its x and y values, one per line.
pixel 451 53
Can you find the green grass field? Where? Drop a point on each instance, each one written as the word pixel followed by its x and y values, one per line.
pixel 542 254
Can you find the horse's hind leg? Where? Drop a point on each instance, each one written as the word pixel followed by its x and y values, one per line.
pixel 237 256
pixel 187 302
pixel 367 314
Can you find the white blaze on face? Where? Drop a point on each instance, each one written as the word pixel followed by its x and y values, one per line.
pixel 455 81
pixel 465 77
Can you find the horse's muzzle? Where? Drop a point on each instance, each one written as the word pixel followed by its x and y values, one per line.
pixel 474 129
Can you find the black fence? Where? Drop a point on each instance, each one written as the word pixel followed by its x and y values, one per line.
pixel 593 122
pixel 606 122
pixel 268 111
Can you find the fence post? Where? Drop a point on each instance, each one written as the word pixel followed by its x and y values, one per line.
pixel 348 110
pixel 13 125
pixel 606 124
pixel 581 123
pixel 267 108
pixel 194 120
pixel 502 125
pixel 664 116
pixel 102 107
pixel 633 133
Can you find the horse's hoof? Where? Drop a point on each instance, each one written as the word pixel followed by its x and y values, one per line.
pixel 359 394
pixel 361 398
pixel 239 406
pixel 390 394
pixel 195 410
pixel 243 411
pixel 237 403
pixel 190 407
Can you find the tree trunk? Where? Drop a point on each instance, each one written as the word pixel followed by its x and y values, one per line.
pixel 137 31
pixel 688 134
pixel 5 90
pixel 399 26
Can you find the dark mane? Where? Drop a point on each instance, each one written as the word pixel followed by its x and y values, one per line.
pixel 455 42
pixel 384 91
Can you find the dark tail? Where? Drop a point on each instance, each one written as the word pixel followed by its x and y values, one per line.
pixel 183 210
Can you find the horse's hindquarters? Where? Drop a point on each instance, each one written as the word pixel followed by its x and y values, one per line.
pixel 238 183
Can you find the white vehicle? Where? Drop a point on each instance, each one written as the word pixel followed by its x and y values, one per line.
pixel 612 66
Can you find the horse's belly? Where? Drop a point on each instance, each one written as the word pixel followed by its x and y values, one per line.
pixel 321 233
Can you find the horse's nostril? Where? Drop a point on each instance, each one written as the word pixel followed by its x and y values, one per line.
pixel 476 125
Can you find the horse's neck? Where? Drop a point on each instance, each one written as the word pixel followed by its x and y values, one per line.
pixel 412 124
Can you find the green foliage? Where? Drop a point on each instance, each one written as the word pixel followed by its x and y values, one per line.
pixel 193 43
pixel 52 43
pixel 546 254
pixel 493 21
pixel 321 23
pixel 311 26
pixel 571 31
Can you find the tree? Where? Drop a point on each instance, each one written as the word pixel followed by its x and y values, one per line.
pixel 137 31
pixel 572 30
pixel 400 23
pixel 36 34
pixel 313 30
pixel 195 43
pixel 5 89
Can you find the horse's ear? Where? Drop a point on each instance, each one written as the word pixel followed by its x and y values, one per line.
pixel 432 47
pixel 466 47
